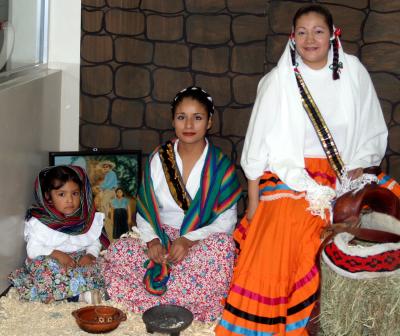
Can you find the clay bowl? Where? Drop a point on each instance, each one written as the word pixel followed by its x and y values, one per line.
pixel 167 319
pixel 98 319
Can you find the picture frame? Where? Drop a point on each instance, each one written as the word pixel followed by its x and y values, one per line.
pixel 115 179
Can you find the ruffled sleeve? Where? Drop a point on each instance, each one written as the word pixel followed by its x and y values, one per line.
pixel 41 240
pixel 255 154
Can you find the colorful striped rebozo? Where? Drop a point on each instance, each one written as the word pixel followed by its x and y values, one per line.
pixel 219 190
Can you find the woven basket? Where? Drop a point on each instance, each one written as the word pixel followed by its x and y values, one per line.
pixel 361 307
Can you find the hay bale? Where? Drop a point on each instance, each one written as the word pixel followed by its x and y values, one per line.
pixel 359 307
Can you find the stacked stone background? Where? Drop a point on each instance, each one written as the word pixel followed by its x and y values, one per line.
pixel 136 54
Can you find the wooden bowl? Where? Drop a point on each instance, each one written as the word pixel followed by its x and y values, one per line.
pixel 167 319
pixel 98 319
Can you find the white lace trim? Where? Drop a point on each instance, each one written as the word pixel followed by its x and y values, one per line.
pixel 320 198
pixel 133 233
pixel 347 184
pixel 282 195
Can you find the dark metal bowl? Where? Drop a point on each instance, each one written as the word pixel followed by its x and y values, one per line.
pixel 167 319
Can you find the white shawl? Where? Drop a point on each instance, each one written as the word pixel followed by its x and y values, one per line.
pixel 275 135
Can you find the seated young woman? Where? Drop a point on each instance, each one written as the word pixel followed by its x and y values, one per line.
pixel 186 214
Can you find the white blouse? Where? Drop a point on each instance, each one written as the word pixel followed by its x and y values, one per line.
pixel 41 240
pixel 328 104
pixel 170 213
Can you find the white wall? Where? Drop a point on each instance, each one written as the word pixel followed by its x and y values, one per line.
pixel 29 129
pixel 38 113
pixel 64 54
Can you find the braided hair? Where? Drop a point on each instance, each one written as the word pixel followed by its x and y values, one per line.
pixel 335 34
pixel 195 93
pixel 336 65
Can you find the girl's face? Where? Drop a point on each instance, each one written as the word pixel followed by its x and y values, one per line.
pixel 311 35
pixel 66 199
pixel 119 193
pixel 191 121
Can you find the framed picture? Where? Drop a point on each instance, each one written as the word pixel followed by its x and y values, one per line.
pixel 115 178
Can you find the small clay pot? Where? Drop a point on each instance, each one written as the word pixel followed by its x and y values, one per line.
pixel 105 314
pixel 98 319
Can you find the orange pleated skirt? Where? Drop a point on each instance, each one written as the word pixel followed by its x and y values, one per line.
pixel 276 281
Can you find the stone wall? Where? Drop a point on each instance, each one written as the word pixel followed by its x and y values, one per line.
pixel 137 54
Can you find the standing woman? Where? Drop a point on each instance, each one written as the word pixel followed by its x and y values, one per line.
pixel 186 214
pixel 120 213
pixel 291 179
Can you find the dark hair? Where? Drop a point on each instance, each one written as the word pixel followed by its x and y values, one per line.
pixel 195 93
pixel 56 177
pixel 324 12
pixel 119 188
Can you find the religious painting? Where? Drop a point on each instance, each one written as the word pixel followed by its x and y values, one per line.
pixel 115 178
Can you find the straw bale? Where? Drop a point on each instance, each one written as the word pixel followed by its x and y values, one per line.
pixel 359 307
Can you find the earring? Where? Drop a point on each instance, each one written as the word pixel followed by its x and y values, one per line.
pixel 291 38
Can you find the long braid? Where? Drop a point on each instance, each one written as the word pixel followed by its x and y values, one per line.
pixel 293 56
pixel 335 63
pixel 292 49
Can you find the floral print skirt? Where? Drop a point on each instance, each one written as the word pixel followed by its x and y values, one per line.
pixel 43 279
pixel 200 282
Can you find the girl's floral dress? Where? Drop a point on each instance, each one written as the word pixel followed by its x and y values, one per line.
pixel 43 279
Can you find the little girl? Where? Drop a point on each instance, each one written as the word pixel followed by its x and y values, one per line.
pixel 64 236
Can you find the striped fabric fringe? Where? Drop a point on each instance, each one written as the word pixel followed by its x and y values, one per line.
pixel 272 188
pixel 387 182
pixel 219 190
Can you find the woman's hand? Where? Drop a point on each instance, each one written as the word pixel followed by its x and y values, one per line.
pixel 87 260
pixel 355 173
pixel 251 210
pixel 63 259
pixel 156 251
pixel 179 249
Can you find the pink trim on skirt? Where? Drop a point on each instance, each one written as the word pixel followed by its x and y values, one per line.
pixel 200 282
